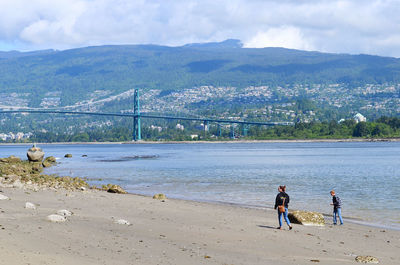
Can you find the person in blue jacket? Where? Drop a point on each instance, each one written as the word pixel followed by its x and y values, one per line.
pixel 282 199
pixel 337 208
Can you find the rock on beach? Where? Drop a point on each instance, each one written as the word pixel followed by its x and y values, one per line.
pixel 64 212
pixel 367 259
pixel 49 161
pixel 306 218
pixel 112 188
pixel 30 205
pixel 35 154
pixel 159 196
pixel 11 159
pixel 122 222
pixel 3 197
pixel 55 218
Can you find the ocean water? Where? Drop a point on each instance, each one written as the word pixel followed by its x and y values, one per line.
pixel 365 175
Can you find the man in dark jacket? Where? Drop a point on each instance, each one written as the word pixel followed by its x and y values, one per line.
pixel 337 208
pixel 282 199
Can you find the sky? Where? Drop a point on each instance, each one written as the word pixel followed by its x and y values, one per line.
pixel 343 26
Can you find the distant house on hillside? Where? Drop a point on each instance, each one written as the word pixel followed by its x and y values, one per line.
pixel 359 118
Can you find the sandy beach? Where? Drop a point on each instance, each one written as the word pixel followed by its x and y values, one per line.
pixel 172 232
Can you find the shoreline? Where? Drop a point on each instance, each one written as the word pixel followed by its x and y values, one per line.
pixel 219 142
pixel 327 216
pixel 172 232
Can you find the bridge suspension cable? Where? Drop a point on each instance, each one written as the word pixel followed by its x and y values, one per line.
pixel 136 115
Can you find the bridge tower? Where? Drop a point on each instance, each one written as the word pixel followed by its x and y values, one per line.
pixel 206 125
pixel 219 130
pixel 137 136
pixel 244 129
pixel 232 131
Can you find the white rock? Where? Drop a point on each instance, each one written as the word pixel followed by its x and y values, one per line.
pixel 122 222
pixel 18 184
pixel 55 218
pixel 30 205
pixel 3 197
pixel 64 212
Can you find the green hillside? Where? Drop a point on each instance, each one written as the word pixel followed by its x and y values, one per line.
pixel 76 73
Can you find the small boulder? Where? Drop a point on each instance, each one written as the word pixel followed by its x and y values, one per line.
pixel 35 154
pixel 11 159
pixel 49 161
pixel 46 164
pixel 367 259
pixel 64 212
pixel 55 218
pixel 30 205
pixel 159 196
pixel 3 197
pixel 36 168
pixel 68 155
pixel 122 222
pixel 112 188
pixel 306 218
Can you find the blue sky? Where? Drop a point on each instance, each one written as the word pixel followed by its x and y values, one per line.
pixel 344 26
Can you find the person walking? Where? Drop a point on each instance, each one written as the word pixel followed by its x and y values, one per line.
pixel 281 203
pixel 337 208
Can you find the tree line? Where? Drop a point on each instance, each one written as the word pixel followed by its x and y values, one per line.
pixel 384 127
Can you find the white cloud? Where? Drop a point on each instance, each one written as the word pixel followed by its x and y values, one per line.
pixel 351 26
pixel 288 37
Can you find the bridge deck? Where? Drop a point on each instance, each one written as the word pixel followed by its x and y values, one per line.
pixel 145 116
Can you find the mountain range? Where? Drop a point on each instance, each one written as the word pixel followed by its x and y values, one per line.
pixel 75 74
pixel 220 79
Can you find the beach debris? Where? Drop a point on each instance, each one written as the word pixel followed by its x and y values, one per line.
pixel 314 260
pixel 207 257
pixel 122 222
pixel 82 188
pixel 29 205
pixel 84 155
pixel 35 154
pixel 159 196
pixel 49 161
pixel 3 197
pixel 68 155
pixel 64 212
pixel 112 188
pixel 306 218
pixel 55 218
pixel 367 259
pixel 10 159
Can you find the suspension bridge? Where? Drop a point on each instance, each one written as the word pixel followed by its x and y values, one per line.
pixel 137 116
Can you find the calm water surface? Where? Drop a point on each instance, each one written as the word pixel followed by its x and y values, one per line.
pixel 365 175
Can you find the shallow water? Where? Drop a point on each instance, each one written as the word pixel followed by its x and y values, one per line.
pixel 364 174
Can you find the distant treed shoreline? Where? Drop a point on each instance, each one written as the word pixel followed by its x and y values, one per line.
pixel 384 128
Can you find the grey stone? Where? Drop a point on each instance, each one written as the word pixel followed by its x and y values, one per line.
pixel 3 197
pixel 122 222
pixel 35 154
pixel 30 205
pixel 64 212
pixel 55 218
